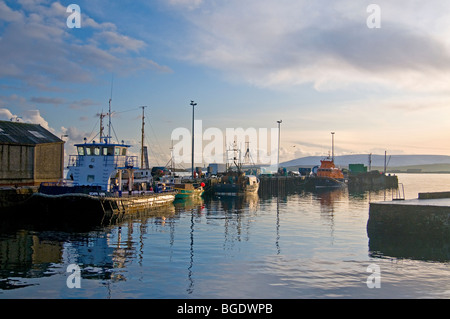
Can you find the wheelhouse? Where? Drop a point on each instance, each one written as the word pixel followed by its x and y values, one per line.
pixel 94 149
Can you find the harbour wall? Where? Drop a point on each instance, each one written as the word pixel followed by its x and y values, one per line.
pixel 420 221
pixel 11 197
pixel 373 180
pixel 274 184
pixel 415 229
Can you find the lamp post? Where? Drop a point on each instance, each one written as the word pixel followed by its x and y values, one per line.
pixel 193 104
pixel 332 146
pixel 278 157
pixel 142 137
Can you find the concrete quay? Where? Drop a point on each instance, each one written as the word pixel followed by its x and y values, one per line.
pixel 425 217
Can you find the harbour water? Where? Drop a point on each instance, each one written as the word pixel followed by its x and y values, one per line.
pixel 300 245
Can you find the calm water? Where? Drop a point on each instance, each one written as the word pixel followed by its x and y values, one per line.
pixel 304 245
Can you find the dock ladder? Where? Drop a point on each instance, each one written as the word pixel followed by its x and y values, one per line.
pixel 399 193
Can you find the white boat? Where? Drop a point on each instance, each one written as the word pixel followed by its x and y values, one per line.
pixel 101 177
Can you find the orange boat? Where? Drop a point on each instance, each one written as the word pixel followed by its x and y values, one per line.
pixel 328 175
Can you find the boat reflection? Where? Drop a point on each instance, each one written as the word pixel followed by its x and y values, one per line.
pixel 35 250
pixel 187 204
pixel 234 204
pixel 329 198
pixel 235 226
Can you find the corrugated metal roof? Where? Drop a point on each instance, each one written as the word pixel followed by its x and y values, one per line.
pixel 25 134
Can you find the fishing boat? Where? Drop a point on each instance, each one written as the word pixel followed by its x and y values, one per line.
pixel 235 182
pixel 189 190
pixel 100 180
pixel 328 175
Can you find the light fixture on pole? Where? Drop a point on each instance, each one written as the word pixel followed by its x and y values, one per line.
pixel 193 104
pixel 332 146
pixel 278 157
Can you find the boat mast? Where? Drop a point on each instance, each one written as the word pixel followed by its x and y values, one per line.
pixel 172 160
pixel 102 115
pixel 109 113
pixel 109 122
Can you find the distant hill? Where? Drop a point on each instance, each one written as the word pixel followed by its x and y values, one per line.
pixel 428 168
pixel 377 160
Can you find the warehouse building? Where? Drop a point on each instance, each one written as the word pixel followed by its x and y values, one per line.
pixel 29 155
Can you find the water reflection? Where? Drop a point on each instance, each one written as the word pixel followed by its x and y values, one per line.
pixel 25 255
pixel 409 247
pixel 210 247
pixel 233 204
pixel 231 212
pixel 32 251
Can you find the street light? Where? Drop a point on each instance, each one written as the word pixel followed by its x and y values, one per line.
pixel 278 157
pixel 193 104
pixel 332 146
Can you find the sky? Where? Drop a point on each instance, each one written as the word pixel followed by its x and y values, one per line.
pixel 377 77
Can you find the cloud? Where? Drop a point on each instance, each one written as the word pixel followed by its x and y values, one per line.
pixel 39 50
pixel 34 116
pixel 293 42
pixel 28 116
pixel 82 104
pixel 190 4
pixel 119 42
pixel 74 134
pixel 13 100
pixel 47 100
pixel 6 115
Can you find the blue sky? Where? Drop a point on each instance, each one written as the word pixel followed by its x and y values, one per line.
pixel 314 64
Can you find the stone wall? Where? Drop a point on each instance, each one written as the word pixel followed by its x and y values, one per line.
pixel 49 162
pixel 421 221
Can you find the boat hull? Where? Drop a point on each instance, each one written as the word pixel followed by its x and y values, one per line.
pixel 235 190
pixel 95 209
pixel 184 194
pixel 326 182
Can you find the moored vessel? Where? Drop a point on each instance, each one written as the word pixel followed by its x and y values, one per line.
pixel 328 175
pixel 100 180
pixel 189 190
pixel 235 182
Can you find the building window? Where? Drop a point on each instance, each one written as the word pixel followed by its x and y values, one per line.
pixel 108 151
pixel 80 150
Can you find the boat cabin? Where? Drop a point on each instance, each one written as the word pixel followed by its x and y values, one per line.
pixel 252 180
pixel 100 149
pixel 327 169
pixel 101 164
